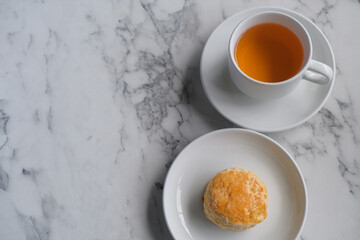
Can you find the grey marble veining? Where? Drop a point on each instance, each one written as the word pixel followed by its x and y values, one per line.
pixel 98 97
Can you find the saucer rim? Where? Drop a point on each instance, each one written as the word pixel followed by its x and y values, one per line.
pixel 275 129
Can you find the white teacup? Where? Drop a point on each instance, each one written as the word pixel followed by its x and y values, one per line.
pixel 311 70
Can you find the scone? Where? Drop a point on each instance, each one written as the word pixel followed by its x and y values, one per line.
pixel 236 199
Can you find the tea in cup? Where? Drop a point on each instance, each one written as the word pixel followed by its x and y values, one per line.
pixel 270 53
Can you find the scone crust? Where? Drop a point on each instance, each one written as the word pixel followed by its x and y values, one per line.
pixel 236 199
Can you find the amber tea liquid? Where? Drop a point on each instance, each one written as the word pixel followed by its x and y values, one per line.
pixel 269 52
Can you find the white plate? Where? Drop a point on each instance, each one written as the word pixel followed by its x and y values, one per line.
pixel 264 116
pixel 215 151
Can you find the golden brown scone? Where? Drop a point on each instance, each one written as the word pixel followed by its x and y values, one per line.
pixel 236 199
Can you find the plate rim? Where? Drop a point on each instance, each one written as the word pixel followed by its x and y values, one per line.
pixel 278 129
pixel 238 131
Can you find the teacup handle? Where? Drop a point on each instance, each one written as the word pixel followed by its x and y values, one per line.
pixel 319 73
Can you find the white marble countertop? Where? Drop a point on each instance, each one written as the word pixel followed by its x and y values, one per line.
pixel 98 97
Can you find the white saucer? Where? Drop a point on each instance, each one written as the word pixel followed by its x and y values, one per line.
pixel 264 116
pixel 215 151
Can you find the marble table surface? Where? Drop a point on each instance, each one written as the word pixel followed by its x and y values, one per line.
pixel 98 97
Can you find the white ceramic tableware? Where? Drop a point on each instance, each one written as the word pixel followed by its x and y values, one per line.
pixel 204 157
pixel 265 90
pixel 265 116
